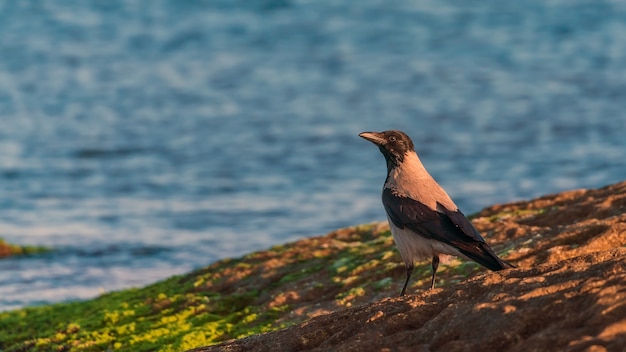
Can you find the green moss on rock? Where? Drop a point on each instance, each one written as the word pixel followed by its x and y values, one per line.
pixel 7 249
pixel 232 298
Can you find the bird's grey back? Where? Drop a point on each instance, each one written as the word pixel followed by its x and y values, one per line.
pixel 411 179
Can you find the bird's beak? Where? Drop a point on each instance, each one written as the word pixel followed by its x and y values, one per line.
pixel 374 137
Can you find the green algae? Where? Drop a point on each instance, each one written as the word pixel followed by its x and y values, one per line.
pixel 136 319
pixel 8 249
pixel 233 298
pixel 517 213
pixel 176 314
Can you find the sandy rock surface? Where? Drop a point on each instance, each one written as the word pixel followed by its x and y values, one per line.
pixel 567 294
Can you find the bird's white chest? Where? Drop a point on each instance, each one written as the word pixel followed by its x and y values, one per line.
pixel 414 248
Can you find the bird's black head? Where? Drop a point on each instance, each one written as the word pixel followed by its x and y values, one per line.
pixel 393 144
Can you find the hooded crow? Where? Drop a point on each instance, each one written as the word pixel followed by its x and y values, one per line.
pixel 424 221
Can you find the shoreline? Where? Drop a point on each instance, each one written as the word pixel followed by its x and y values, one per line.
pixel 296 289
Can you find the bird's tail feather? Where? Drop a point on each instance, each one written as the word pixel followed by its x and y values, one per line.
pixel 484 255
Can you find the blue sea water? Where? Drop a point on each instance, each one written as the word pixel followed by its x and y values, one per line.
pixel 143 139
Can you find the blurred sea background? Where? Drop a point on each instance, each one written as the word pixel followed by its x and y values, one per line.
pixel 143 139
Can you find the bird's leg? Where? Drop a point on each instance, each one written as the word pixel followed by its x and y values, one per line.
pixel 409 271
pixel 435 265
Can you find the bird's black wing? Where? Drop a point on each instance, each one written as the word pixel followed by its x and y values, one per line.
pixel 448 226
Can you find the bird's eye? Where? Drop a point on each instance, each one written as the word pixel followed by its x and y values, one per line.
pixel 392 138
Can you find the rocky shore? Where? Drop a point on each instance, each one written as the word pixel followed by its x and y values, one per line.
pixel 8 249
pixel 339 292
pixel 568 294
